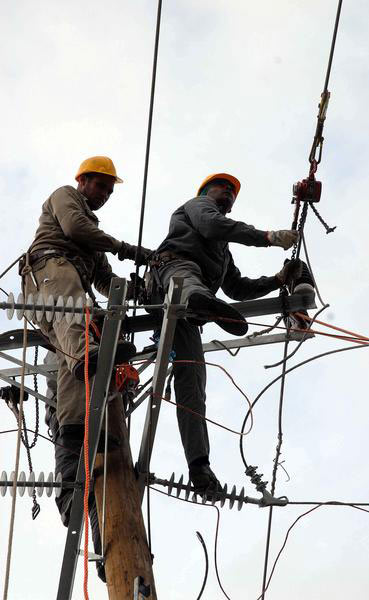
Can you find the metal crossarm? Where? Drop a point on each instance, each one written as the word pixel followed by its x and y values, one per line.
pixel 12 340
pixel 159 377
pixel 105 363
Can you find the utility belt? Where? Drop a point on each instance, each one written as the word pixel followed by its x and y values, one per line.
pixel 154 290
pixel 162 258
pixel 34 261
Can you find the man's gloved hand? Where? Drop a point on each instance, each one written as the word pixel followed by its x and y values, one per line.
pixel 285 238
pixel 292 270
pixel 128 251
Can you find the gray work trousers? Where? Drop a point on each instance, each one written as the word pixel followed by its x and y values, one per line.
pixel 57 276
pixel 189 378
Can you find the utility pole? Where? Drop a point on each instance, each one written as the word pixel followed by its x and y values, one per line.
pixel 128 557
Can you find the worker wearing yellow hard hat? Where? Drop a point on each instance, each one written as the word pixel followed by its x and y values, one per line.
pixel 98 164
pixel 66 258
pixel 197 250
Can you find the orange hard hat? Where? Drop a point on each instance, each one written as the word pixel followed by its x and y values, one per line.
pixel 226 176
pixel 98 164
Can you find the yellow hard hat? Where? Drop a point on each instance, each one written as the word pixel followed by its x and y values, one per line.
pixel 226 176
pixel 98 164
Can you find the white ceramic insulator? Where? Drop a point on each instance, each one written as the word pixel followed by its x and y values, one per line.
pixel 49 490
pixel 12 478
pixel 50 308
pixel 20 311
pixel 40 488
pixel 58 490
pixel 69 316
pixel 59 304
pixel 3 479
pixel 30 313
pixel 22 480
pixel 10 310
pixel 78 317
pixel 31 479
pixel 41 311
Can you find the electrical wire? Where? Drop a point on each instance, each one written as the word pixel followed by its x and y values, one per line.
pixel 211 364
pixel 201 539
pixel 85 454
pixel 215 537
pixel 276 462
pixel 311 271
pixel 308 330
pixel 289 531
pixel 10 267
pixel 16 468
pixel 304 362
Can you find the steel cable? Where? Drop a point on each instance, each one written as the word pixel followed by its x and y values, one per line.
pixel 16 469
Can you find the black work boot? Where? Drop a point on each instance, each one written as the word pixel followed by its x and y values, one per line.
pixel 204 480
pixel 125 351
pixel 212 309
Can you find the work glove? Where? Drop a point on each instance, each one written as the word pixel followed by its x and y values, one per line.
pixel 291 271
pixel 285 238
pixel 128 251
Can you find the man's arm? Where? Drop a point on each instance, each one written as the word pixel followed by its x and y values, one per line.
pixel 67 210
pixel 243 288
pixel 211 224
pixel 103 275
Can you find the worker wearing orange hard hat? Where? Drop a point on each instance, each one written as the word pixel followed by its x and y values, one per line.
pixel 66 258
pixel 197 249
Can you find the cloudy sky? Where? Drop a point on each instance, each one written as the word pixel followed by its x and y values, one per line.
pixel 237 90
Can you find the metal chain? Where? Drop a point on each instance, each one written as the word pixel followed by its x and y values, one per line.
pixel 320 218
pixel 36 507
pixel 300 229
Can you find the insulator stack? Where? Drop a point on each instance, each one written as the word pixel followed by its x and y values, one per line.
pixel 35 309
pixel 221 496
pixel 31 484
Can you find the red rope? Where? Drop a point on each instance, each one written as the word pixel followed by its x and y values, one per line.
pixel 85 452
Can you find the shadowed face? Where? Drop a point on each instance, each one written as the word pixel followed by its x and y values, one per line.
pixel 97 188
pixel 224 194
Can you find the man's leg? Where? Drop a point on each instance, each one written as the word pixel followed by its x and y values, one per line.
pixel 189 385
pixel 67 452
pixel 204 305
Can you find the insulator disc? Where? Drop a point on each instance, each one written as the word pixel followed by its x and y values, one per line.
pixel 41 311
pixel 170 486
pixel 21 481
pixel 49 490
pixel 31 479
pixel 11 478
pixel 30 312
pixel 50 308
pixel 224 492
pixel 233 497
pixel 3 479
pixel 20 311
pixel 188 490
pixel 180 485
pixel 78 317
pixel 241 499
pixel 69 315
pixel 40 488
pixel 59 304
pixel 10 310
pixel 59 480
